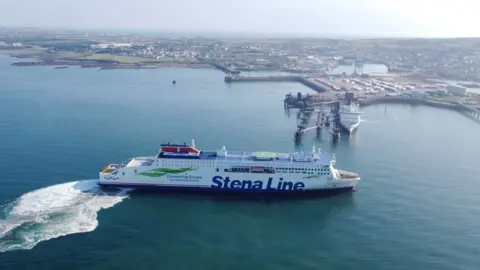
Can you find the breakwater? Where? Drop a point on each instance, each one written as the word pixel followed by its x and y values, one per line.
pixel 309 82
pixel 469 111
pixel 224 68
pixel 408 100
pixel 291 78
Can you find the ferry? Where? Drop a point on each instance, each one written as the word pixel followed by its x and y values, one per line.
pixel 184 167
pixel 350 114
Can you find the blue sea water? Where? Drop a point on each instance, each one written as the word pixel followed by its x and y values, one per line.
pixel 417 206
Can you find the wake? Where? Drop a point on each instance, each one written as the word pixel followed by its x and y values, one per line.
pixel 53 212
pixel 369 121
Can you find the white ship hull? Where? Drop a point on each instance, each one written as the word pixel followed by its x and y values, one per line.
pixel 200 178
pixel 230 172
pixel 349 126
pixel 350 118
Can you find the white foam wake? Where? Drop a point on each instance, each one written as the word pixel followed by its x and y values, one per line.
pixel 370 121
pixel 54 211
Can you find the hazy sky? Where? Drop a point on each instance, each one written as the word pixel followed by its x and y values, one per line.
pixel 321 17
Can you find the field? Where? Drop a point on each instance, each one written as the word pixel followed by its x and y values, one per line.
pixel 120 58
pixel 446 98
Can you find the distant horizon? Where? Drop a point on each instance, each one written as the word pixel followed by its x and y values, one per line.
pixel 240 34
pixel 277 18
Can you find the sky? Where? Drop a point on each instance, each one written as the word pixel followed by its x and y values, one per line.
pixel 389 18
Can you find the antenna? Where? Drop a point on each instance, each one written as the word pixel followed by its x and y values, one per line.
pixel 313 149
pixel 193 143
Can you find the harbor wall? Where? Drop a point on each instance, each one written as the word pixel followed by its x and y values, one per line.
pixel 263 79
pixel 310 83
pixel 224 68
pixel 470 112
pixel 317 86
pixel 411 101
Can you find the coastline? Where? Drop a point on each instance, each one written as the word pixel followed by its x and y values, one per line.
pixel 110 66
pixel 109 62
pixel 65 60
pixel 40 57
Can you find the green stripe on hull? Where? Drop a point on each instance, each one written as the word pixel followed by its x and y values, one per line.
pixel 159 172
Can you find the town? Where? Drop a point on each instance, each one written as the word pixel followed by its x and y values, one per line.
pixel 421 68
pixel 456 59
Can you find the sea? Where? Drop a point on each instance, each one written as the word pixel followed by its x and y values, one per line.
pixel 416 207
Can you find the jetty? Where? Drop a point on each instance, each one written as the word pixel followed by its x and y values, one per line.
pixel 469 111
pixel 304 116
pixel 311 83
pixel 408 100
pixel 225 69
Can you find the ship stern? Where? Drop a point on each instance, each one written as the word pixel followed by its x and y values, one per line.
pixel 346 178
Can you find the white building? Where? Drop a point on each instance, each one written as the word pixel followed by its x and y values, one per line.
pixel 457 90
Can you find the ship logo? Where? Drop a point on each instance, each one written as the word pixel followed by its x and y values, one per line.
pixel 159 172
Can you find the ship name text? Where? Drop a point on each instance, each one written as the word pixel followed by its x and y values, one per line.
pixel 270 184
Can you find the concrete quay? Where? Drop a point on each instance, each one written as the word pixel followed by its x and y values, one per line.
pixel 232 79
pixel 225 69
pixel 309 82
pixel 407 100
pixel 467 110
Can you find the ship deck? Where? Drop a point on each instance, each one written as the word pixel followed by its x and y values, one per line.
pixel 257 157
pixel 236 156
pixel 242 156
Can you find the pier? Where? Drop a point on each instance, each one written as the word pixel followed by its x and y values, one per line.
pixel 469 111
pixel 225 69
pixel 291 78
pixel 303 123
pixel 408 100
pixel 308 82
pixel 327 116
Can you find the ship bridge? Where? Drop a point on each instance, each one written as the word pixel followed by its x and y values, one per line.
pixel 185 151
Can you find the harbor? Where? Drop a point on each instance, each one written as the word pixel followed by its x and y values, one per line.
pixel 372 90
pixel 337 100
pixel 396 162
